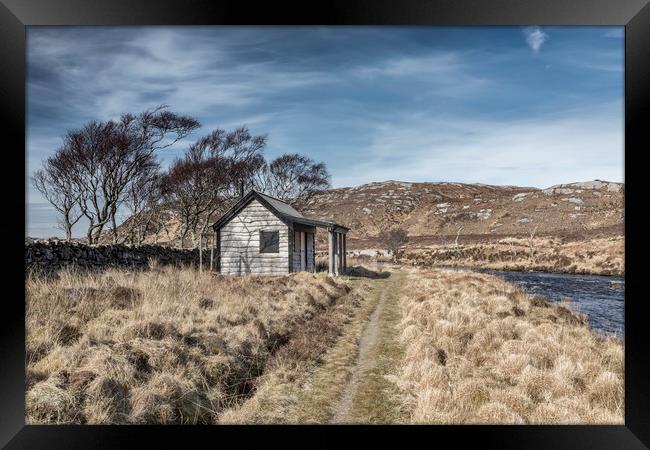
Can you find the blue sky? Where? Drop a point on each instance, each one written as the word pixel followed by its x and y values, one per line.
pixel 523 106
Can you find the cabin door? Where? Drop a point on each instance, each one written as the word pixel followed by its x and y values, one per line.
pixel 310 253
pixel 300 251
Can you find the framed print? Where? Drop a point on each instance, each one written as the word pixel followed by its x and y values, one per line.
pixel 262 220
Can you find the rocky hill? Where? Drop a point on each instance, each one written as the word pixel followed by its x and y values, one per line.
pixel 569 228
pixel 434 212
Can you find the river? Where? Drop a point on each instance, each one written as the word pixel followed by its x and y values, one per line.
pixel 602 299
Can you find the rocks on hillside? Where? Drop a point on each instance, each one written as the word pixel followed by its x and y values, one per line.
pixel 435 209
pixel 442 209
pixel 596 185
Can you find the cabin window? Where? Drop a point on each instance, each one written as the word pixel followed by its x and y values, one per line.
pixel 269 242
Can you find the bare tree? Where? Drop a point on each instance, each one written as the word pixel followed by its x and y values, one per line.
pixel 142 200
pixel 82 153
pixel 531 242
pixel 179 192
pixel 108 156
pixel 294 178
pixel 457 236
pixel 394 239
pixel 208 178
pixel 55 185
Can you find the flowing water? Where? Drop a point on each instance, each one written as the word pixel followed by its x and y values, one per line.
pixel 602 299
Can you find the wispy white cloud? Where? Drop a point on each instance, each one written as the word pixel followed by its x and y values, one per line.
pixel 580 144
pixel 412 104
pixel 617 33
pixel 606 61
pixel 443 74
pixel 613 67
pixel 535 38
pixel 162 66
pixel 439 63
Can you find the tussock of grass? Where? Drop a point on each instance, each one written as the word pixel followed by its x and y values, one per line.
pixel 167 345
pixel 479 350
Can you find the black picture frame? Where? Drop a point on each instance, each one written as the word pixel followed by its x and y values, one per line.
pixel 15 15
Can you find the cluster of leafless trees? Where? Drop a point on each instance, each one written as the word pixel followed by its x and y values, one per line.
pixel 108 169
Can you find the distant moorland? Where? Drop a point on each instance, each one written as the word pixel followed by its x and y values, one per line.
pixel 570 228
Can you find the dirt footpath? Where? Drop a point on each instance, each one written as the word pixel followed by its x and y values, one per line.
pixel 375 357
pixel 366 361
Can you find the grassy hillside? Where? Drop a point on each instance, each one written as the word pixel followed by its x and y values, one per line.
pixel 433 213
pixel 572 228
pixel 598 256
pixel 393 345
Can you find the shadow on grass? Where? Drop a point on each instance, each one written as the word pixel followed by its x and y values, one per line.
pixel 362 272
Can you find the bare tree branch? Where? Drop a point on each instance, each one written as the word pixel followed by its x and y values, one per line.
pixel 106 157
pixel 55 185
pixel 293 178
pixel 207 178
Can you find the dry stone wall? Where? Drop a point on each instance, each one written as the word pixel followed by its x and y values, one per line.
pixel 52 255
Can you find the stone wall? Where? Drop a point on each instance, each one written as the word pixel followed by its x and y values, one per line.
pixel 52 255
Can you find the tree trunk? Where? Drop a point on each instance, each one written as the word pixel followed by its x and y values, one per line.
pixel 97 233
pixel 114 224
pixel 68 227
pixel 212 253
pixel 201 253
pixel 183 235
pixel 143 230
pixel 89 233
pixel 193 237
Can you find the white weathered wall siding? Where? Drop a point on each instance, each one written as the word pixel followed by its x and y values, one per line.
pixel 240 243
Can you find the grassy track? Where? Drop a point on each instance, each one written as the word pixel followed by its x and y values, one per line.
pixel 347 383
pixel 374 396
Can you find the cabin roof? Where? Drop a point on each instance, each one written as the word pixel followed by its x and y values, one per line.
pixel 282 207
pixel 282 210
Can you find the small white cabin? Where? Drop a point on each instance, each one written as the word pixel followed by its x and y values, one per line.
pixel 264 235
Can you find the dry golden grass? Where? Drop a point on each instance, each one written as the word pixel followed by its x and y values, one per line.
pixel 175 346
pixel 166 345
pixel 602 256
pixel 479 350
pixel 300 390
pixel 293 389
